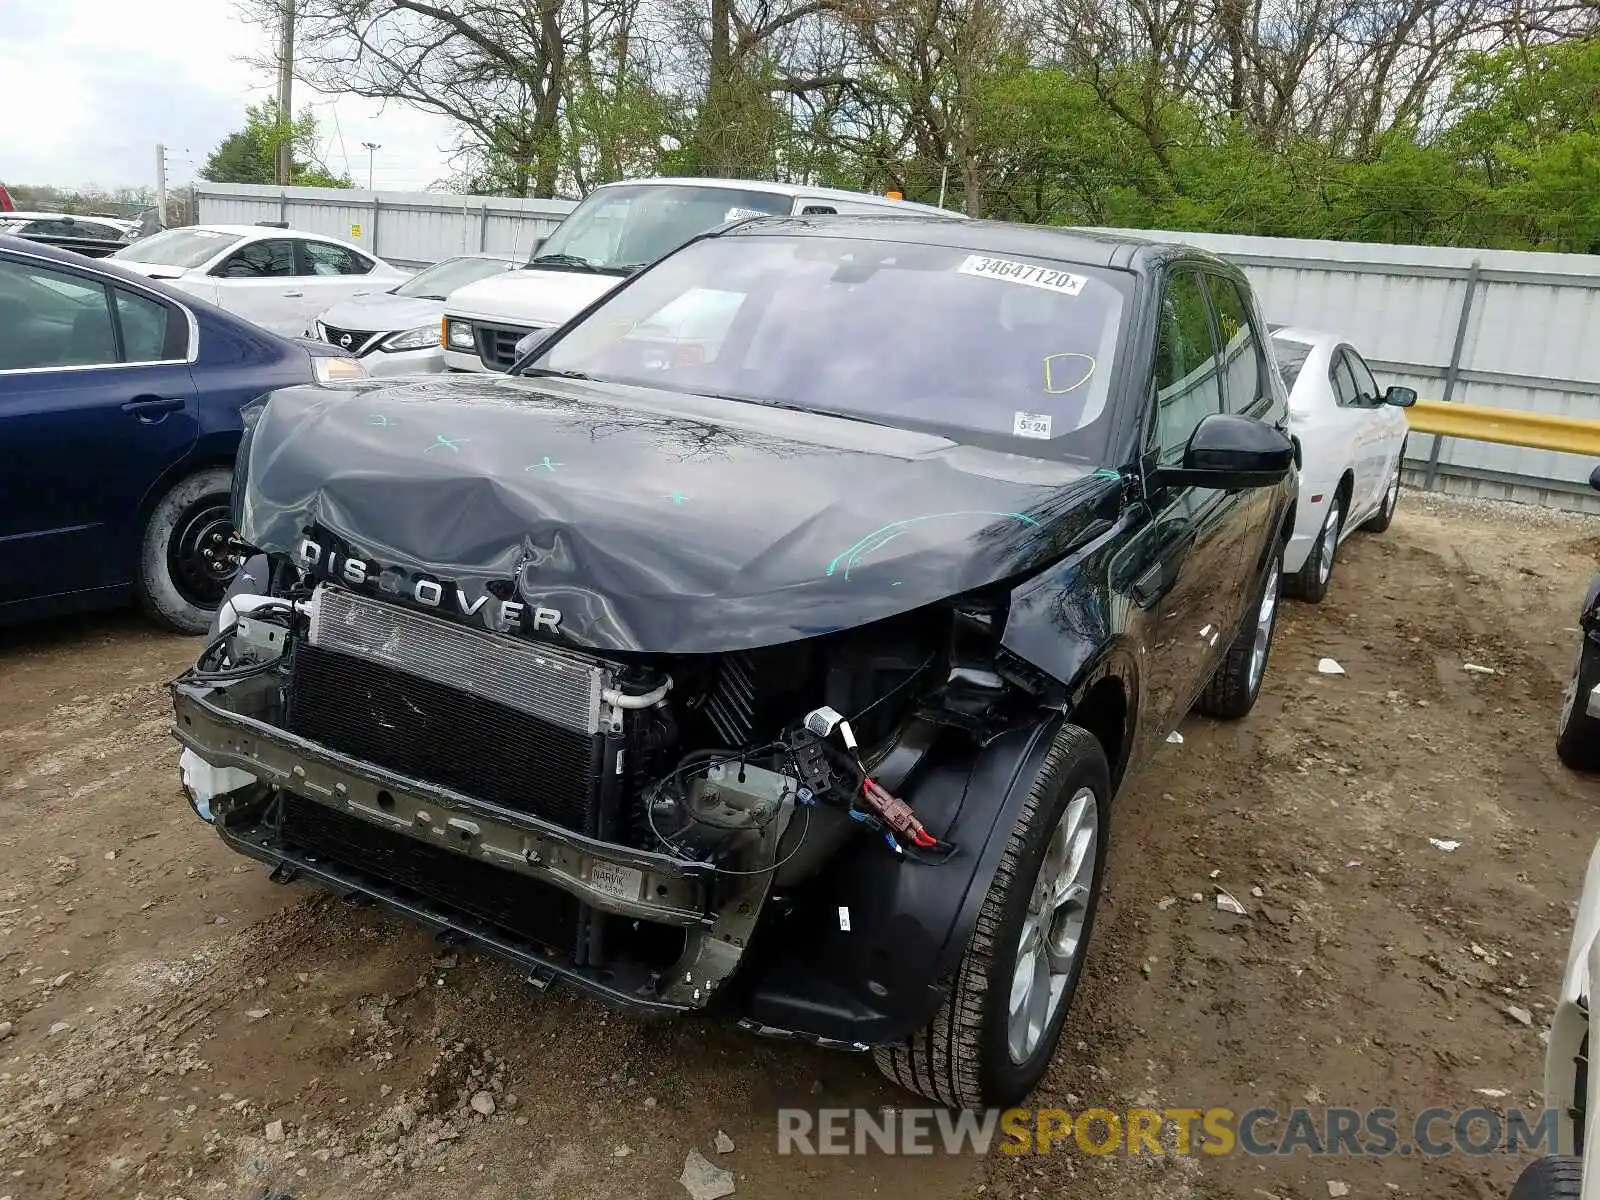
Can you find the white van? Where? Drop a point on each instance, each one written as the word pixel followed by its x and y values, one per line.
pixel 621 228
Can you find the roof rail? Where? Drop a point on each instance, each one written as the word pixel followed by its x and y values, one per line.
pixel 273 224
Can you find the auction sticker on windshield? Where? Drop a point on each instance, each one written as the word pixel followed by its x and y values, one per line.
pixel 1030 274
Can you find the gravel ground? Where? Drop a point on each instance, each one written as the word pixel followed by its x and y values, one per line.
pixel 174 1025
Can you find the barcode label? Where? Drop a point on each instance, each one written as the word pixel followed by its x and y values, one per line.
pixel 1028 274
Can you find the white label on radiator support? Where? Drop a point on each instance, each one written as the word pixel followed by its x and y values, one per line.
pixel 616 881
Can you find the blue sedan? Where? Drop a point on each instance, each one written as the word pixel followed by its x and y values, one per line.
pixel 120 411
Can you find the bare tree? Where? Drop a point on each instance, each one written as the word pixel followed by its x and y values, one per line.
pixel 496 68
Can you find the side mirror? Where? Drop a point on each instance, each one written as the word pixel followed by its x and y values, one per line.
pixel 530 341
pixel 1229 452
pixel 1400 397
pixel 1594 479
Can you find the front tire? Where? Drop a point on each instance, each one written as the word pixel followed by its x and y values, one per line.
pixel 1310 582
pixel 184 566
pixel 1381 520
pixel 1233 689
pixel 1578 743
pixel 995 1034
pixel 1558 1177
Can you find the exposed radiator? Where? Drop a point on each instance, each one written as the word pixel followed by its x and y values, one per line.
pixel 432 732
pixel 544 682
pixel 513 724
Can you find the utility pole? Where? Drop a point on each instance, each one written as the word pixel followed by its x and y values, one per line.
pixel 372 150
pixel 161 185
pixel 285 163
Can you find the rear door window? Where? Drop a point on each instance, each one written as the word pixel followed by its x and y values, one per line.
pixel 61 319
pixel 151 332
pixel 324 258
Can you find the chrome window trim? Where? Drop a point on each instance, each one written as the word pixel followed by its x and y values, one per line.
pixel 190 356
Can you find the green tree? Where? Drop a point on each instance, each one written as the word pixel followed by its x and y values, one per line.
pixel 250 155
pixel 1525 130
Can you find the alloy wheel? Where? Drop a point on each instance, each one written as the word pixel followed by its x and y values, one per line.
pixel 1265 617
pixel 1328 544
pixel 1052 927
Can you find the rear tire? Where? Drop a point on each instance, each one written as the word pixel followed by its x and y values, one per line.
pixel 1233 689
pixel 1558 1177
pixel 1578 743
pixel 968 1055
pixel 177 584
pixel 1310 582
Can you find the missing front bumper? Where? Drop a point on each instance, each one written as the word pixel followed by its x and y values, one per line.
pixel 717 917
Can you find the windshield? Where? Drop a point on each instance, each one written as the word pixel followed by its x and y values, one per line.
pixel 626 227
pixel 439 280
pixel 1291 357
pixel 178 247
pixel 993 351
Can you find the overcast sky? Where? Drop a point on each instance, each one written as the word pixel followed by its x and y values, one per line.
pixel 92 85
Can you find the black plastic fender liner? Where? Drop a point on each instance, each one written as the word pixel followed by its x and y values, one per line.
pixel 871 944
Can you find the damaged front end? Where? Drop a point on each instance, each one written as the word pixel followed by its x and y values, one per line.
pixel 624 822
pixel 730 712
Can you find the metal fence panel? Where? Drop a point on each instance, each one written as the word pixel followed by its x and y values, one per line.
pixel 408 229
pixel 1530 340
pixel 1495 327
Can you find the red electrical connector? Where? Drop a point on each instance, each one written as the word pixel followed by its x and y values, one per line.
pixel 897 814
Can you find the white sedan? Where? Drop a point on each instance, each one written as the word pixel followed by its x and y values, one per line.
pixel 1352 437
pixel 1570 1169
pixel 278 278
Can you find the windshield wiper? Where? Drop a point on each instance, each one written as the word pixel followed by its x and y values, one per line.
pixel 786 405
pixel 790 406
pixel 563 260
pixel 554 371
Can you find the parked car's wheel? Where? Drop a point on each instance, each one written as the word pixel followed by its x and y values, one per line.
pixel 1310 582
pixel 183 553
pixel 1578 743
pixel 1558 1177
pixel 1379 521
pixel 994 1035
pixel 1233 689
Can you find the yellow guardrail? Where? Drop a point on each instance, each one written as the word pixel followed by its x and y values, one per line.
pixel 1508 426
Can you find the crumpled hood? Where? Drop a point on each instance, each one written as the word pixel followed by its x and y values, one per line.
pixel 530 296
pixel 383 312
pixel 651 521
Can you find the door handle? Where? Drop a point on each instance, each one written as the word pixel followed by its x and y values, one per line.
pixel 152 408
pixel 294 293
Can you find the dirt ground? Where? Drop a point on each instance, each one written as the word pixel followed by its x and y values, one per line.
pixel 166 1007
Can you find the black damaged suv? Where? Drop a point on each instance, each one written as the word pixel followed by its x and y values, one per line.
pixel 773 638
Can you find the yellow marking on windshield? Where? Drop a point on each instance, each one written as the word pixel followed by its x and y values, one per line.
pixel 1053 386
